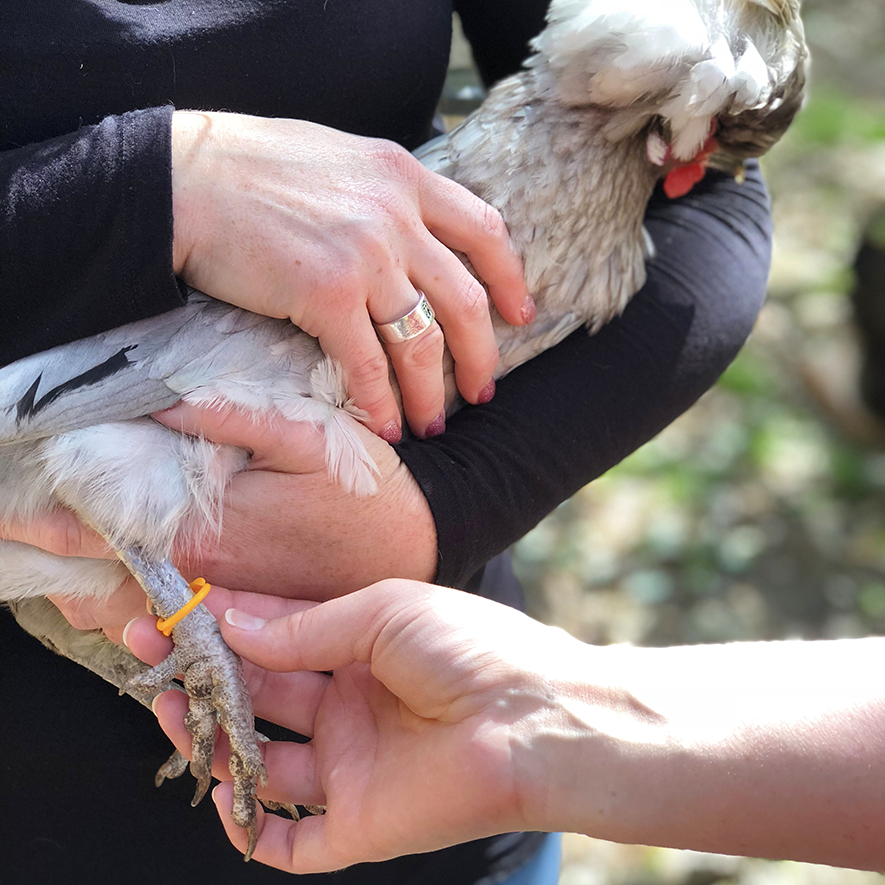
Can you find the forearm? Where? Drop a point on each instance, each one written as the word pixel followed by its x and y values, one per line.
pixel 762 749
pixel 317 560
pixel 567 416
pixel 86 233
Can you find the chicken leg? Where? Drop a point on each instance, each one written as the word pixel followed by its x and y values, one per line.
pixel 214 682
pixel 115 664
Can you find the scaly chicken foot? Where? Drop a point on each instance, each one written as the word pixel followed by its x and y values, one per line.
pixel 213 679
pixel 176 765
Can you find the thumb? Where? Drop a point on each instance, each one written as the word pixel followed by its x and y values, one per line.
pixel 334 634
pixel 275 442
pixel 300 847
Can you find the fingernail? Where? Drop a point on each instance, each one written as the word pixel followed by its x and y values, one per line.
pixel 154 704
pixel 244 621
pixel 487 392
pixel 529 309
pixel 391 433
pixel 436 427
pixel 126 631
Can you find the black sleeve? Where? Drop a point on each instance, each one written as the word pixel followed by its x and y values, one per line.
pixel 86 228
pixel 499 32
pixel 573 412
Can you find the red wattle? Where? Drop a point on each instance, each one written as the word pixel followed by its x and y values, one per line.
pixel 679 181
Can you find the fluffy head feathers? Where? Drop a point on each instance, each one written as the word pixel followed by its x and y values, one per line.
pixel 785 10
pixel 685 62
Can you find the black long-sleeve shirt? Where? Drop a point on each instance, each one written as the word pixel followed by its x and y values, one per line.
pixel 86 233
pixel 85 245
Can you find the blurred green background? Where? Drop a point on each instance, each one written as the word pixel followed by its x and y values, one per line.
pixel 760 514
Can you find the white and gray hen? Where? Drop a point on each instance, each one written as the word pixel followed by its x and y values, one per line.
pixel 617 94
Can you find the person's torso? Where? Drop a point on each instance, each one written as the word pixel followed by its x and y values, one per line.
pixel 370 68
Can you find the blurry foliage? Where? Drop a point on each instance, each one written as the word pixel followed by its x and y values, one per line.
pixel 829 119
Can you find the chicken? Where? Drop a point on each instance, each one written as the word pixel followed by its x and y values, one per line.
pixel 617 94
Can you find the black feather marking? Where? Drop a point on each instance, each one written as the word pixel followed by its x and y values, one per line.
pixel 28 408
pixel 25 405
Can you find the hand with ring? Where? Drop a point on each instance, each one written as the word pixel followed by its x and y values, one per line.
pixel 337 233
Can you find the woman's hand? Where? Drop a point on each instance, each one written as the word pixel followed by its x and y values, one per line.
pixel 287 531
pixel 291 219
pixel 418 737
pixel 449 717
pixel 290 531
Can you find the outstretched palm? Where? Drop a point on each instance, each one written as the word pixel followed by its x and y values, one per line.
pixel 414 711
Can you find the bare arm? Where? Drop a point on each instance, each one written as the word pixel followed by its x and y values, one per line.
pixel 766 749
pixel 450 717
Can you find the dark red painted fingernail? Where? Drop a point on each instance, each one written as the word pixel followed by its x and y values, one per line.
pixel 435 427
pixel 529 309
pixel 391 433
pixel 487 392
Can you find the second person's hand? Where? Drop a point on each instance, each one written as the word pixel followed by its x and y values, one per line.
pixel 421 736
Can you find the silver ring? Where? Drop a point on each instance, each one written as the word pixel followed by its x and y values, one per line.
pixel 419 319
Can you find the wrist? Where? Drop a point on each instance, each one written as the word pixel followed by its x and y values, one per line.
pixel 189 131
pixel 589 755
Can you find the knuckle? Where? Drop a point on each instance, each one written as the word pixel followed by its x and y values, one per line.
pixel 370 373
pixel 392 159
pixel 75 614
pixel 491 223
pixel 257 680
pixel 370 238
pixel 390 215
pixel 425 351
pixel 77 621
pixel 373 405
pixel 474 303
pixel 345 272
pixel 342 291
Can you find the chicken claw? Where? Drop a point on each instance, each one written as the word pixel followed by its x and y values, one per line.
pixel 174 766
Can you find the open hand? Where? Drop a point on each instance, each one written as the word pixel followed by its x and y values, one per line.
pixel 417 739
pixel 291 219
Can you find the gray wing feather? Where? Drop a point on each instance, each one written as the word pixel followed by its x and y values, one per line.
pixel 143 367
pixel 107 377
